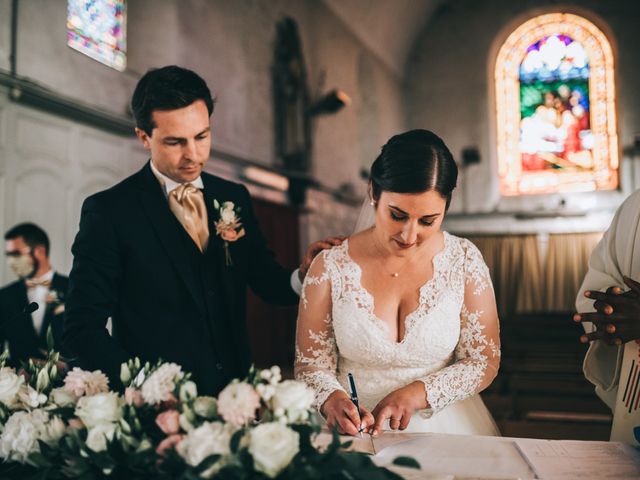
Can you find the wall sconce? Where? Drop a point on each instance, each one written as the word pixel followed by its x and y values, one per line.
pixel 330 103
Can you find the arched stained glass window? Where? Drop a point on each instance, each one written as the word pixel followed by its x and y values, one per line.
pixel 97 29
pixel 556 112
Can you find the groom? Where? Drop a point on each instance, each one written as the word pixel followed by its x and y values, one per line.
pixel 149 256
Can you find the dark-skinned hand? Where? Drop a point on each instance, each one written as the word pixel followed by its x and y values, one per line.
pixel 617 316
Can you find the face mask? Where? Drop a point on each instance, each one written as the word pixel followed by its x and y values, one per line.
pixel 23 266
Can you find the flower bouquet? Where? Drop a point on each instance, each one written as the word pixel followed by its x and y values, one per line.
pixel 75 427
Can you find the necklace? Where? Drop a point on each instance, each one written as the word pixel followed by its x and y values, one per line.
pixel 379 257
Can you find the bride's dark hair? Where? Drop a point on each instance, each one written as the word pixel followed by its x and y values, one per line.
pixel 414 162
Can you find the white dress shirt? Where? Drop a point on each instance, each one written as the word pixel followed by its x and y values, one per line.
pixel 39 294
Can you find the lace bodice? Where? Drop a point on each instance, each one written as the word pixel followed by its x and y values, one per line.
pixel 451 340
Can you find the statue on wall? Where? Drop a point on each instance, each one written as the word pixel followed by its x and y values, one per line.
pixel 291 100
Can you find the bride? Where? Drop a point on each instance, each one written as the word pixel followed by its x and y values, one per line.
pixel 403 306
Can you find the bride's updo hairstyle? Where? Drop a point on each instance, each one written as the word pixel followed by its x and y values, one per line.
pixel 414 162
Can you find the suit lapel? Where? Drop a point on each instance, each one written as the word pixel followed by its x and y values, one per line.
pixel 215 250
pixel 166 226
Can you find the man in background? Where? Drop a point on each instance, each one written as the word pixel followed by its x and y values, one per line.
pixel 25 334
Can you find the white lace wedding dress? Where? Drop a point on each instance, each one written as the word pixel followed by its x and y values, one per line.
pixel 451 340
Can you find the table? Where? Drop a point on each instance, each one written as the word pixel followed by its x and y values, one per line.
pixel 446 456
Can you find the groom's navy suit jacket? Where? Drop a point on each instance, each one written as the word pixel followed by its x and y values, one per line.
pixel 134 262
pixel 17 329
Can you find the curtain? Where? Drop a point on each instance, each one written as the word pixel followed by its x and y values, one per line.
pixel 565 267
pixel 524 281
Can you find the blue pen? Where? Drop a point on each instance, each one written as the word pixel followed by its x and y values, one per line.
pixel 354 399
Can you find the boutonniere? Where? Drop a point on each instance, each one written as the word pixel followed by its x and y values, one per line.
pixel 228 226
pixel 54 300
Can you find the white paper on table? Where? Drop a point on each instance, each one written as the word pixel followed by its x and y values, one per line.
pixel 568 459
pixel 460 456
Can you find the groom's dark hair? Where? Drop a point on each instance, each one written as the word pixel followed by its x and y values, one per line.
pixel 414 162
pixel 167 88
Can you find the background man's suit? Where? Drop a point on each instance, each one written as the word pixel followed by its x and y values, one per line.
pixel 18 330
pixel 135 262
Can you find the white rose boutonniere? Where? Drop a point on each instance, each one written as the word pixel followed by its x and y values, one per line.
pixel 228 226
pixel 55 300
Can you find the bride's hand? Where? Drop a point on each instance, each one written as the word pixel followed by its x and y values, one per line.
pixel 399 406
pixel 340 411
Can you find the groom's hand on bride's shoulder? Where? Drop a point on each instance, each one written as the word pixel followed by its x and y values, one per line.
pixel 314 249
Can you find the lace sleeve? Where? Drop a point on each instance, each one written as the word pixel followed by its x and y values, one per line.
pixel 316 352
pixel 477 355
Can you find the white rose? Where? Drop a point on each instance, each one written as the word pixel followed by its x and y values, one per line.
pixel 31 398
pixel 295 398
pixel 273 446
pixel 99 409
pixel 98 436
pixel 20 436
pixel 227 214
pixel 209 439
pixel 62 397
pixel 10 384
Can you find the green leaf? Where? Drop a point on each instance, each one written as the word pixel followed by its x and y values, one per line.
pixel 50 342
pixel 406 462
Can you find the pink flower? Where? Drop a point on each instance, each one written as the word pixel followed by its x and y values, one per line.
pixel 231 235
pixel 133 397
pixel 170 442
pixel 81 382
pixel 238 403
pixel 169 422
pixel 76 424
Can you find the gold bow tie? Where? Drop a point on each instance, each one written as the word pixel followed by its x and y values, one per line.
pixel 32 283
pixel 187 204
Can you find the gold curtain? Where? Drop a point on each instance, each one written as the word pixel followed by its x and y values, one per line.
pixel 514 263
pixel 520 280
pixel 565 267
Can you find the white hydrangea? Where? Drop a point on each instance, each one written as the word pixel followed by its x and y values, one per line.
pixel 22 431
pixel 159 386
pixel 211 438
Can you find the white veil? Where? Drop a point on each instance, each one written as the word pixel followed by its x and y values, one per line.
pixel 367 216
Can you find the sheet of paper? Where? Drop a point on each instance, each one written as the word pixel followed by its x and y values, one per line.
pixel 463 456
pixel 584 460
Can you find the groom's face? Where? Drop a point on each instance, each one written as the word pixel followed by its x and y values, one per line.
pixel 180 141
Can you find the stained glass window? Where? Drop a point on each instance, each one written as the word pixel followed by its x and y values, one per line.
pixel 556 113
pixel 97 29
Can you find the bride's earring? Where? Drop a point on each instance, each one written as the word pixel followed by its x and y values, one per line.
pixel 372 203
